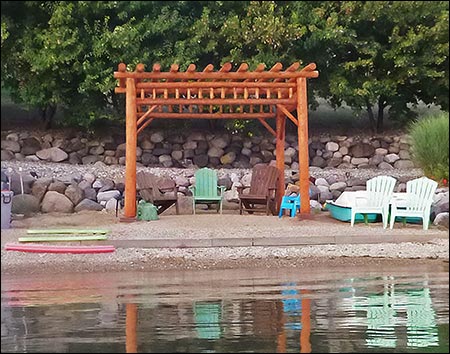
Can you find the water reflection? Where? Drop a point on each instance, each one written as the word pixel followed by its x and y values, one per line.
pixel 391 309
pixel 208 316
pixel 220 311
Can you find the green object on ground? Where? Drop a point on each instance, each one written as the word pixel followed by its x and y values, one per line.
pixel 146 211
pixel 66 231
pixel 62 238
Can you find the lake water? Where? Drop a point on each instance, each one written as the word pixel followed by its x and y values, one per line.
pixel 308 310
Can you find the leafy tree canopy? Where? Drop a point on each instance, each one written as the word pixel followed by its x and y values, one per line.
pixel 379 56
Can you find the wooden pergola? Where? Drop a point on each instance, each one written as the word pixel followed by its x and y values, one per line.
pixel 223 94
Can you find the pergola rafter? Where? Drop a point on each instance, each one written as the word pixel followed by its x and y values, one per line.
pixel 221 94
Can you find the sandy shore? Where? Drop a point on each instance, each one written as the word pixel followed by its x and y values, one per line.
pixel 207 225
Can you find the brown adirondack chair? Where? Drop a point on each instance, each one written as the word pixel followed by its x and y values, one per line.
pixel 152 190
pixel 262 190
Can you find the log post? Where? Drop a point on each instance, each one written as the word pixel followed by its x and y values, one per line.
pixel 130 152
pixel 281 137
pixel 303 157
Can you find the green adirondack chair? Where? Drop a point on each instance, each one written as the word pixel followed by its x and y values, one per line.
pixel 419 197
pixel 379 194
pixel 206 190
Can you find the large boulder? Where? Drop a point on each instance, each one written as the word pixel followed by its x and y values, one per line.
pixel 56 202
pixel 362 150
pixel 53 154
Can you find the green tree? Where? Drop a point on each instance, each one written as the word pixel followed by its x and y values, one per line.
pixel 379 55
pixel 63 53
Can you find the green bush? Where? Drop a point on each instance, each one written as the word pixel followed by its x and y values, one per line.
pixel 429 145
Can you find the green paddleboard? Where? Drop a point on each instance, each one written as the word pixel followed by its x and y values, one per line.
pixel 62 238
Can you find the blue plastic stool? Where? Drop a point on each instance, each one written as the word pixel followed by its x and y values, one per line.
pixel 291 203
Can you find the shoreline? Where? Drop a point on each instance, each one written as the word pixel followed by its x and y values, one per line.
pixel 139 259
pixel 81 265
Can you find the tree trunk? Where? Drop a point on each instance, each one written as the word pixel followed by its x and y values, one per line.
pixel 371 116
pixel 380 118
pixel 47 115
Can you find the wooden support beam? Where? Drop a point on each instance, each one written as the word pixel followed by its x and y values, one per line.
pixel 122 68
pixel 226 67
pixel 130 153
pixel 216 75
pixel 145 115
pixel 279 149
pixel 268 127
pixel 191 68
pixel 288 114
pixel 216 101
pixel 143 126
pixel 303 155
pixel 211 115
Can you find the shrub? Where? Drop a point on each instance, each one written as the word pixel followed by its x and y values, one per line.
pixel 429 145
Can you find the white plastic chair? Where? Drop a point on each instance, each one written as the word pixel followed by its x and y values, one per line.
pixel 379 193
pixel 418 200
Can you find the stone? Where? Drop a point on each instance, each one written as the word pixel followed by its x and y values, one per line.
pixel 74 193
pixel 441 220
pixel 7 155
pixel 105 196
pixel 177 155
pixel 88 204
pixel 359 161
pixel 200 160
pixel 228 158
pixel 403 164
pixel 381 151
pixel 90 159
pixel 215 152
pixel 385 166
pixel 362 150
pixel 10 145
pixel 30 146
pixel 391 158
pixel 57 186
pixel 56 202
pixel 157 137
pixel 53 154
pixel 318 161
pixel 40 186
pixel 332 146
pixel 338 186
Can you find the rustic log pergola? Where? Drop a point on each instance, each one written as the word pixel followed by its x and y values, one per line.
pixel 222 94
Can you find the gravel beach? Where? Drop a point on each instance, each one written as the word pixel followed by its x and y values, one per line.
pixel 210 225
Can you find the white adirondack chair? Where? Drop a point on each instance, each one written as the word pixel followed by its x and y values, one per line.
pixel 379 193
pixel 418 200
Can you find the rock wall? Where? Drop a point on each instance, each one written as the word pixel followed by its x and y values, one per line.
pixel 46 188
pixel 202 148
